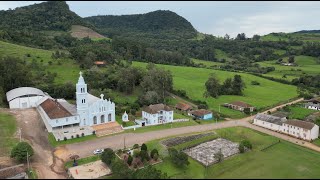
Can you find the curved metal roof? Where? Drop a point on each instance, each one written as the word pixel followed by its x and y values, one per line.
pixel 22 91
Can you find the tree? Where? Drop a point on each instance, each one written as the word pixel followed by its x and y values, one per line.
pixel 219 156
pixel 227 36
pixel 149 172
pixel 153 152
pixel 20 151
pixel 130 159
pixel 135 146
pixel 144 147
pixel 108 156
pixel 180 159
pixel 244 144
pixel 291 59
pixel 227 88
pixel 256 37
pixel 144 155
pixel 238 85
pixel 213 86
pixel 120 170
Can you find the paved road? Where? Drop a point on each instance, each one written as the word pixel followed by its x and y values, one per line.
pixel 84 149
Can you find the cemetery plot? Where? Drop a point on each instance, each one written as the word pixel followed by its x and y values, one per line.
pixel 179 140
pixel 205 152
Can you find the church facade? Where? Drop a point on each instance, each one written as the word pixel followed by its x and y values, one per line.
pixel 92 110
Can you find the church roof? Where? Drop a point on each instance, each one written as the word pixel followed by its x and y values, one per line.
pixel 23 91
pixel 54 109
pixel 92 99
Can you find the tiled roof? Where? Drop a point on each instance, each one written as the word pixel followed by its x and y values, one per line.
pixel 183 106
pixel 301 124
pixel 201 112
pixel 241 104
pixel 270 118
pixel 54 109
pixel 155 108
pixel 99 62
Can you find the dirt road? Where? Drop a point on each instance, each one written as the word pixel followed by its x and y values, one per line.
pixel 33 131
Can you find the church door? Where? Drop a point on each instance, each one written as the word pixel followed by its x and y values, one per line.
pixel 102 118
pixel 95 120
pixel 109 117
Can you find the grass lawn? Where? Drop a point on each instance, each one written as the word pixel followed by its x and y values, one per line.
pixel 283 160
pixel 298 112
pixel 306 64
pixel 192 80
pixel 7 130
pixel 83 161
pixel 55 143
pixel 68 71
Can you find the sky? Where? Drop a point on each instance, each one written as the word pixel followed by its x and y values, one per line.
pixel 211 17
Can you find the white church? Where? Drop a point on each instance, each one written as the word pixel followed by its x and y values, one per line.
pixel 58 115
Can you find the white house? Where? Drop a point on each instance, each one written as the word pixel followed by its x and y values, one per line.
pixel 156 114
pixel 92 110
pixel 269 121
pixel 24 97
pixel 301 129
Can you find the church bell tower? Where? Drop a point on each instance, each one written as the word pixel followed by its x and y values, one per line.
pixel 81 98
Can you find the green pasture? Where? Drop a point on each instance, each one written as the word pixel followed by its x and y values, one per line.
pixel 192 80
pixel 7 130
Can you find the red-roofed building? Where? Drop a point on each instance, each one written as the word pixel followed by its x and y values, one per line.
pixel 183 107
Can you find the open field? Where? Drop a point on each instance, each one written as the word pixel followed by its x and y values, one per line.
pixel 306 64
pixel 283 160
pixel 298 112
pixel 67 71
pixel 192 80
pixel 8 129
pixel 305 37
pixel 78 31
pixel 206 63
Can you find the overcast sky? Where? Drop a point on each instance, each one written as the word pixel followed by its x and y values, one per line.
pixel 215 17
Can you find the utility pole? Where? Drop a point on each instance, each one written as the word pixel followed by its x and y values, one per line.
pixel 28 161
pixel 124 143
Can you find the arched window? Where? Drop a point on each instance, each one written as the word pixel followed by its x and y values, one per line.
pixel 95 120
pixel 109 117
pixel 102 118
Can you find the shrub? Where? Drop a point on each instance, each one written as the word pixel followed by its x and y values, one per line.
pixel 136 153
pixel 153 152
pixel 144 155
pixel 256 83
pixel 124 124
pixel 108 156
pixel 219 156
pixel 136 146
pixel 20 151
pixel 178 158
pixel 144 147
pixel 130 159
pixel 155 157
pixel 244 144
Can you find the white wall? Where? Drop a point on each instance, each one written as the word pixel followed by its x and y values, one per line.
pixel 274 127
pixel 27 101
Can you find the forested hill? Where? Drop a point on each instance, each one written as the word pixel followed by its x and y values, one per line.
pixel 156 24
pixel 51 15
pixel 308 31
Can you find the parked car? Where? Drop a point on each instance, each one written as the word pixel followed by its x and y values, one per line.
pixel 98 151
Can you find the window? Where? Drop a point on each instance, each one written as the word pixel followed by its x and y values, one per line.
pixel 75 118
pixel 56 121
pixel 67 119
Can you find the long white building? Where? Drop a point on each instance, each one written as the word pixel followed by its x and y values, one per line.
pixel 156 114
pixel 299 129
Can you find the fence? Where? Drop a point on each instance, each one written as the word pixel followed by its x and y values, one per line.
pixel 270 145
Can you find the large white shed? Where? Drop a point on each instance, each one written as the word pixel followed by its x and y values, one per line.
pixel 24 97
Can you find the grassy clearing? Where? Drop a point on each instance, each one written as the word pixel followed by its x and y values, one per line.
pixel 192 80
pixel 83 161
pixel 206 63
pixel 284 160
pixel 306 64
pixel 305 37
pixel 7 129
pixel 163 126
pixel 55 143
pixel 68 71
pixel 298 112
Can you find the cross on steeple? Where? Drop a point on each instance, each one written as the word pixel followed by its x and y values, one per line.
pixel 80 73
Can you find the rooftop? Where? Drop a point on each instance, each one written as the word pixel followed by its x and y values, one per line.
pixel 155 108
pixel 200 112
pixel 270 118
pixel 312 104
pixel 23 91
pixel 281 114
pixel 241 104
pixel 183 106
pixel 301 124
pixel 54 109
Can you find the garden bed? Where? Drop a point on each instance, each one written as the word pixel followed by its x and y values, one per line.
pixel 180 140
